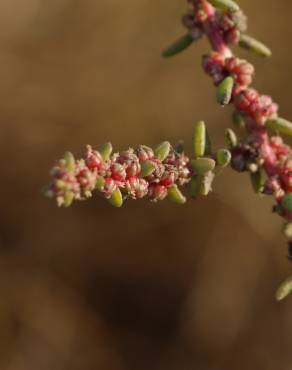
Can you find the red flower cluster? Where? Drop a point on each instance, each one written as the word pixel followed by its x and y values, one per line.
pixel 231 25
pixel 219 67
pixel 77 179
pixel 255 106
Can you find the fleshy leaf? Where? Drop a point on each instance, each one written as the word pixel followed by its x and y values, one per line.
pixel 175 195
pixel 162 150
pixel 257 180
pixel 178 46
pixel 105 150
pixel 230 138
pixel 226 5
pixel 249 43
pixel 116 199
pixel 281 125
pixel 223 157
pixel 199 139
pixel 147 168
pixel 203 165
pixel 284 289
pixel 224 91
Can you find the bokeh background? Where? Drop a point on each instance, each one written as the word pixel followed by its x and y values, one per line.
pixel 146 286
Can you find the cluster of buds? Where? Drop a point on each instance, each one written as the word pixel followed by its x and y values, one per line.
pixel 144 172
pixel 130 174
pixel 265 157
pixel 219 67
pixel 256 107
pixel 159 173
pixel 231 25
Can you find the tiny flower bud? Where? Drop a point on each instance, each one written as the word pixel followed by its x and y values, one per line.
pixel 287 230
pixel 109 187
pixel 199 139
pixel 118 172
pixel 144 152
pixel 252 167
pixel 225 5
pixel 223 157
pixel 136 188
pixel 157 192
pixel 249 43
pixel 203 165
pixel 178 46
pixel 224 91
pixel 206 184
pixel 175 195
pixel 280 124
pixel 93 159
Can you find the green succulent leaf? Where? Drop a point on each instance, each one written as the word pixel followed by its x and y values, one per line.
pixel 162 150
pixel 147 168
pixel 225 5
pixel 281 125
pixel 284 289
pixel 223 157
pixel 249 43
pixel 105 150
pixel 230 138
pixel 257 180
pixel 203 165
pixel 224 91
pixel 175 195
pixel 199 139
pixel 178 46
pixel 116 199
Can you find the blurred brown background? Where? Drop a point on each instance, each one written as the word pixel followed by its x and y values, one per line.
pixel 147 286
